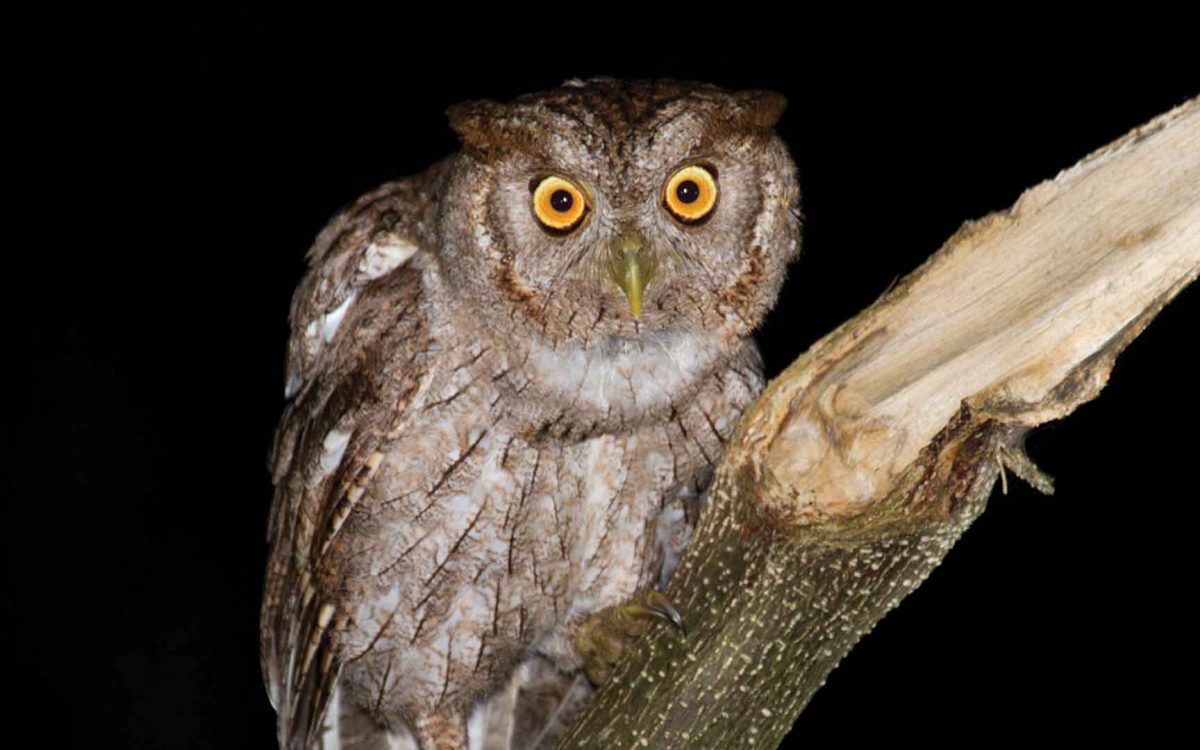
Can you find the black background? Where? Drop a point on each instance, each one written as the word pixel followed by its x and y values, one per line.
pixel 179 174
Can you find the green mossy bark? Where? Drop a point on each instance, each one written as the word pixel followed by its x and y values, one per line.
pixel 770 611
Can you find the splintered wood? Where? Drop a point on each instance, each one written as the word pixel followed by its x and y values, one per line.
pixel 1007 311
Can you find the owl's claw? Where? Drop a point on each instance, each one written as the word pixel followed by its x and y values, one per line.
pixel 602 639
pixel 649 602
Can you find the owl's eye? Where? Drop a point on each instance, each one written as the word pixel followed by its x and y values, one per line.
pixel 691 193
pixel 558 204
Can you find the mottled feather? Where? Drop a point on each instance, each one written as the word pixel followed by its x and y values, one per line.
pixel 483 445
pixel 354 317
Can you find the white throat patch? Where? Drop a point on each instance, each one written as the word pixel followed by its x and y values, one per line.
pixel 627 374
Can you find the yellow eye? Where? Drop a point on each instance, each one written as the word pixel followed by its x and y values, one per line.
pixel 558 204
pixel 691 193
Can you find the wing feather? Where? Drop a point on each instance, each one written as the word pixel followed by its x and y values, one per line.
pixel 352 370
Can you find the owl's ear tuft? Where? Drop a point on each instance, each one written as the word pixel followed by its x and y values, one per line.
pixel 762 108
pixel 477 123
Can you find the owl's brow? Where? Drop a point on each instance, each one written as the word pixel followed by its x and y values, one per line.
pixel 568 115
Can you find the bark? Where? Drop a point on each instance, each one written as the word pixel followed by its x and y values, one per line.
pixel 862 464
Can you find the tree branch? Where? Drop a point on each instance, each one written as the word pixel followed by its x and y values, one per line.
pixel 860 466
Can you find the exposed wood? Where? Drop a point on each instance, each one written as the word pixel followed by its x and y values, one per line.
pixel 861 465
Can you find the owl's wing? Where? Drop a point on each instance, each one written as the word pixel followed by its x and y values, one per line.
pixel 351 372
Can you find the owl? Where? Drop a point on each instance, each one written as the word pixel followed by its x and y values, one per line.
pixel 508 381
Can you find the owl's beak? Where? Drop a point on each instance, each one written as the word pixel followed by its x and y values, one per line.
pixel 631 267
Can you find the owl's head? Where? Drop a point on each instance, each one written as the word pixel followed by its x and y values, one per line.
pixel 615 210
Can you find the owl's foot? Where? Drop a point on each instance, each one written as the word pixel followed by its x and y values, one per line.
pixel 602 638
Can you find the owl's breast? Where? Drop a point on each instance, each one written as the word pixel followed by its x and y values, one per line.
pixel 477 540
pixel 474 543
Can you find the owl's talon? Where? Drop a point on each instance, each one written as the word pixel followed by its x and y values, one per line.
pixel 651 603
pixel 602 639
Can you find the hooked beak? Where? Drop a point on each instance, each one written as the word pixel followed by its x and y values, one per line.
pixel 632 268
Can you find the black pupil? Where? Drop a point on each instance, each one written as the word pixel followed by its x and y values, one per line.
pixel 687 191
pixel 561 201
